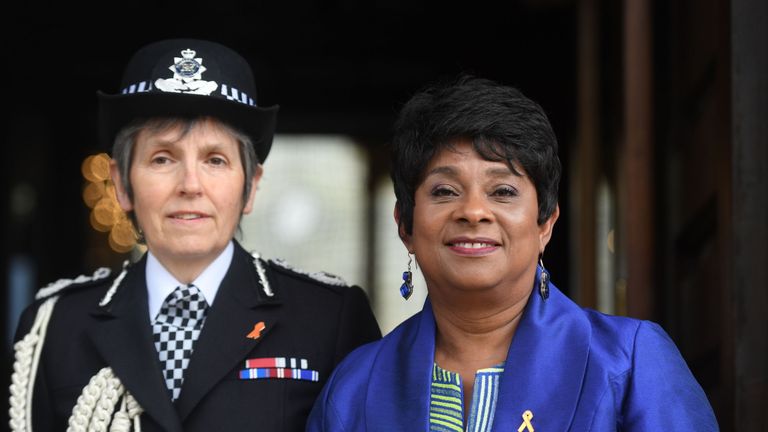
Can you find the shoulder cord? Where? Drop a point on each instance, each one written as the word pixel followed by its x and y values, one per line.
pixel 27 357
pixel 94 406
pixel 60 284
pixel 97 402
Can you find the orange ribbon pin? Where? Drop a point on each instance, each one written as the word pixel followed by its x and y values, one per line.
pixel 256 332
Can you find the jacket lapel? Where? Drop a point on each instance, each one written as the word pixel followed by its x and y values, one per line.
pixel 399 391
pixel 543 373
pixel 223 344
pixel 123 336
pixel 545 366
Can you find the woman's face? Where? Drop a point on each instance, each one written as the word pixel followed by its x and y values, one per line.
pixel 474 225
pixel 187 192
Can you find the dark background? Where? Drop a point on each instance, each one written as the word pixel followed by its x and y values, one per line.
pixel 332 67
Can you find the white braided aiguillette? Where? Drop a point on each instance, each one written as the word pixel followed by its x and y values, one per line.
pixel 27 357
pixel 96 405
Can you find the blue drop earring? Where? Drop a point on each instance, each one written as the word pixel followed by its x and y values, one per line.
pixel 406 289
pixel 543 281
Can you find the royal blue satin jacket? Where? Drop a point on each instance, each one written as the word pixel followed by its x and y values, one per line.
pixel 574 369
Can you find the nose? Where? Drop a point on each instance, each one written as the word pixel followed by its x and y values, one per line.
pixel 474 208
pixel 189 185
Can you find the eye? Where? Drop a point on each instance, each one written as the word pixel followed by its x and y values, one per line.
pixel 217 161
pixel 160 160
pixel 505 191
pixel 443 191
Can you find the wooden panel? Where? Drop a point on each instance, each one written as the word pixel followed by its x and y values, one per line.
pixel 636 159
pixel 749 211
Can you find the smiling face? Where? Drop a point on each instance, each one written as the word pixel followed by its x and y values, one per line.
pixel 475 225
pixel 187 192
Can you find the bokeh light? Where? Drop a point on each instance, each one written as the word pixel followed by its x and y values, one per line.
pixel 106 214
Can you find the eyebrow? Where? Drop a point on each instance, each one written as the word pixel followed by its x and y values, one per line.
pixel 500 172
pixel 210 147
pixel 445 169
pixel 213 147
pixel 451 171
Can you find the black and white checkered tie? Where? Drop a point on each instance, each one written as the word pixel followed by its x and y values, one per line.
pixel 176 329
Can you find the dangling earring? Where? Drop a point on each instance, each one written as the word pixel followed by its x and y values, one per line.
pixel 543 281
pixel 406 289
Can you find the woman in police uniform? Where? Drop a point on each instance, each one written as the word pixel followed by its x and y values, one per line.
pixel 197 335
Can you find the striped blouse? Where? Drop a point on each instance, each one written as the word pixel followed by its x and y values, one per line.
pixel 446 407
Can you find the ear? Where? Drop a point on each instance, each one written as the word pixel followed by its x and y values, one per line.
pixel 254 185
pixel 545 229
pixel 404 237
pixel 120 191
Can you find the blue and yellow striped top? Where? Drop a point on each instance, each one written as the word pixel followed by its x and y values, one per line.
pixel 446 406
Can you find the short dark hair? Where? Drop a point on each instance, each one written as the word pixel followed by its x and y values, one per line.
pixel 501 122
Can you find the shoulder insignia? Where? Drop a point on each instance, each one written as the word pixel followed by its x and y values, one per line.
pixel 61 284
pixel 115 284
pixel 320 276
pixel 262 275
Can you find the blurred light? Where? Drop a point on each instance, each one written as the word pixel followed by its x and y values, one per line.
pixel 97 226
pixel 106 211
pixel 106 214
pixel 93 193
pixel 96 168
pixel 122 233
pixel 609 241
pixel 296 216
pixel 310 206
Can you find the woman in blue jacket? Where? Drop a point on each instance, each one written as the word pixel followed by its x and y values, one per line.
pixel 497 347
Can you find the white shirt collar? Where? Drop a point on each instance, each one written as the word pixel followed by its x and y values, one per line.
pixel 160 282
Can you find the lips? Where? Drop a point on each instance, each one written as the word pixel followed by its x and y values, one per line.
pixel 473 242
pixel 473 246
pixel 187 215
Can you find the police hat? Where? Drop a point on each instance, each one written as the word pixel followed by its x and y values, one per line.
pixel 188 78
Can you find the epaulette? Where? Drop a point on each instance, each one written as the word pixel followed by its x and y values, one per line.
pixel 318 276
pixel 81 281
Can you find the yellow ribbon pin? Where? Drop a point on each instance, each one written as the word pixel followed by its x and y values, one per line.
pixel 526 425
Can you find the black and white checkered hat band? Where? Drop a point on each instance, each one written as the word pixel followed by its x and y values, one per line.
pixel 228 92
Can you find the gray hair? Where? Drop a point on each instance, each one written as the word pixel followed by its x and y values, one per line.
pixel 122 150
